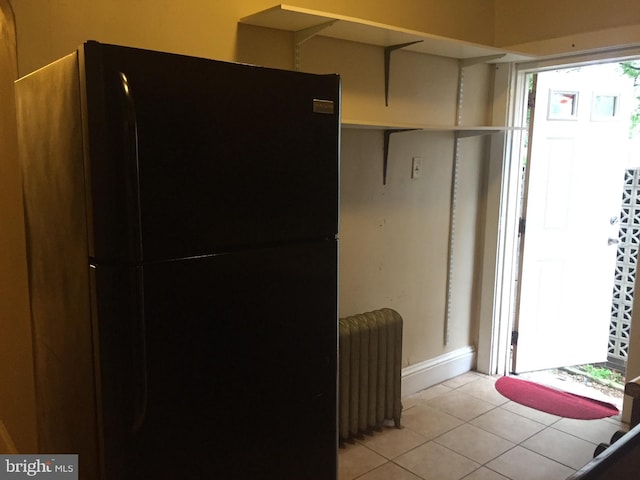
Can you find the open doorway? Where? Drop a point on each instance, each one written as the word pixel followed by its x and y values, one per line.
pixel 571 294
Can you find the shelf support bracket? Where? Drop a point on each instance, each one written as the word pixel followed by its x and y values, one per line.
pixel 462 64
pixel 468 62
pixel 475 133
pixel 385 158
pixel 301 36
pixel 387 65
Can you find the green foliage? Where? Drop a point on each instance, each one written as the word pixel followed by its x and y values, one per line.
pixel 600 373
pixel 632 70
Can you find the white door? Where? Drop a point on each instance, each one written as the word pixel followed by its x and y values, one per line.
pixel 578 155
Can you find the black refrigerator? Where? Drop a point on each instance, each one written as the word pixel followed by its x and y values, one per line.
pixel 181 218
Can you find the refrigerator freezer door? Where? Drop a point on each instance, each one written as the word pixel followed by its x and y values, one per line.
pixel 201 155
pixel 239 369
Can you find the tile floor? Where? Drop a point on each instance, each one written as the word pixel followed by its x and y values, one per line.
pixel 464 429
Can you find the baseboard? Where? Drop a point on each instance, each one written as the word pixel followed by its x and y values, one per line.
pixel 431 372
pixel 7 447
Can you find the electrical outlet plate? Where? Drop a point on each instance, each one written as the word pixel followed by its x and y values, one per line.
pixel 416 167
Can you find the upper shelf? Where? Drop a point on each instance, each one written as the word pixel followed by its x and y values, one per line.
pixel 459 130
pixel 295 19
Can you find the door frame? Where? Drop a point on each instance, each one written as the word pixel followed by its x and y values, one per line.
pixel 523 193
pixel 500 271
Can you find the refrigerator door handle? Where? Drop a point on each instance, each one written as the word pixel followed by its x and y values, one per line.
pixel 132 165
pixel 141 388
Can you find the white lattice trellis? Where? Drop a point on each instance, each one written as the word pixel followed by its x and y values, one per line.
pixel 626 263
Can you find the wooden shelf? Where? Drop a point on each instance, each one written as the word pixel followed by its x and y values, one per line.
pixel 296 19
pixel 461 131
pixel 390 129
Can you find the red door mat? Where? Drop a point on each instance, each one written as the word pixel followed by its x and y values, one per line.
pixel 555 402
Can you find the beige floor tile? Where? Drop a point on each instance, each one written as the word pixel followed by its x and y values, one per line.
pixel 461 380
pixel 460 405
pixel 409 402
pixel 484 474
pixel 594 431
pixel 392 441
pixel 355 460
pixel 508 425
pixel 561 447
pixel 389 471
pixel 531 413
pixel 435 462
pixel 429 422
pixel 432 392
pixel 522 464
pixel 436 443
pixel 426 394
pixel 617 419
pixel 474 443
pixel 484 389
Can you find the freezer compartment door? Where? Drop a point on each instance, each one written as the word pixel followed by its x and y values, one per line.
pixel 239 368
pixel 192 155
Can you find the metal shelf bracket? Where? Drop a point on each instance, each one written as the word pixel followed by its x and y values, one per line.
pixel 462 64
pixel 302 36
pixel 387 65
pixel 468 62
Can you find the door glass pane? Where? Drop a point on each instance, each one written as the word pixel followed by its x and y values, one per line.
pixel 563 105
pixel 605 107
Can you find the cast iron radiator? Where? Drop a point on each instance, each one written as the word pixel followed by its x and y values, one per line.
pixel 369 372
